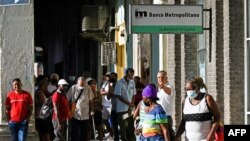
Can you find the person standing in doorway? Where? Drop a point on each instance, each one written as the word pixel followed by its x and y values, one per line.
pixel 166 95
pixel 125 91
pixel 19 107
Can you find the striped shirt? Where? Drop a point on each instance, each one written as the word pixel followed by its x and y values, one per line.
pixel 151 122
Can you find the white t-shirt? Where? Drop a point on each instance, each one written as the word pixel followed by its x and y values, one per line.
pixel 105 101
pixel 166 100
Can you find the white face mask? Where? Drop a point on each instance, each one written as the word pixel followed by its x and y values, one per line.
pixel 191 94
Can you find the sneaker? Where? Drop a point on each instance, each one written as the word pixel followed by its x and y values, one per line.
pixel 110 138
pixel 107 137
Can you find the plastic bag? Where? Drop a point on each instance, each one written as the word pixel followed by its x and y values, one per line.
pixel 219 133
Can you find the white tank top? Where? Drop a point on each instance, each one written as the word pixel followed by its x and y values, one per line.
pixel 198 120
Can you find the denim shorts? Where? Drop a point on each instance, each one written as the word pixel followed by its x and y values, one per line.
pixel 153 138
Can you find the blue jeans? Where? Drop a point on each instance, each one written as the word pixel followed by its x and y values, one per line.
pixel 18 130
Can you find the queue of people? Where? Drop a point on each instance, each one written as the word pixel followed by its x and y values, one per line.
pixel 126 109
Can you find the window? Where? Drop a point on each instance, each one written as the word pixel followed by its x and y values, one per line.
pixel 201 51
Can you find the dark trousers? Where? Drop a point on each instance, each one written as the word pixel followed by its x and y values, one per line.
pixel 80 130
pixel 114 125
pixel 170 121
pixel 60 134
pixel 126 126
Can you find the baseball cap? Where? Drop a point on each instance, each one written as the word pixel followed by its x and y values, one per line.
pixel 150 92
pixel 108 73
pixel 62 82
pixel 88 79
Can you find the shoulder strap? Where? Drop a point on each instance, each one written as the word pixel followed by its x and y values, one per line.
pixel 79 95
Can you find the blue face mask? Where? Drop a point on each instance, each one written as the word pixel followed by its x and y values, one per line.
pixel 191 94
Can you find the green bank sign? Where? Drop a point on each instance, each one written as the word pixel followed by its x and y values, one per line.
pixel 175 19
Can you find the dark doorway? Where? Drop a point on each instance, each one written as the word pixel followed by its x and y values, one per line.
pixel 57 31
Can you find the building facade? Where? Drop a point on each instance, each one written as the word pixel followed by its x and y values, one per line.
pixel 219 55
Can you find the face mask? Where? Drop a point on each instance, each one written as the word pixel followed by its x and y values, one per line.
pixel 191 94
pixel 112 80
pixel 146 103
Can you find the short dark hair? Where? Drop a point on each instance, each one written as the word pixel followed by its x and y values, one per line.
pixel 129 70
pixel 113 73
pixel 16 79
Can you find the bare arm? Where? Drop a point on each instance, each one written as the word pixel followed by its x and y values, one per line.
pixel 7 112
pixel 165 132
pixel 30 110
pixel 56 107
pixel 103 92
pixel 181 127
pixel 167 90
pixel 125 101
pixel 110 92
pixel 213 108
pixel 137 111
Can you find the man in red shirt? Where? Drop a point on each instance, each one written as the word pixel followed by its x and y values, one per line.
pixel 61 110
pixel 19 107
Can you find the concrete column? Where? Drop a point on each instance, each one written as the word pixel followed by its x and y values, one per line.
pixel 154 58
pixel 233 61
pixel 16 56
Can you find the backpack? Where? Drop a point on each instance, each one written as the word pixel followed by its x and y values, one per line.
pixel 47 109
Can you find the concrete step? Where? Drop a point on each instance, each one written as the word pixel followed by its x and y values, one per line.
pixel 5 133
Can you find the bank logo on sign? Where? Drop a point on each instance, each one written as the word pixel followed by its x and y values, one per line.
pixel 140 14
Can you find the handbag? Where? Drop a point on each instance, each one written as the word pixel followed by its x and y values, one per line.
pixel 73 105
pixel 219 133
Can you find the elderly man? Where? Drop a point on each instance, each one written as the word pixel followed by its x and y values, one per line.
pixel 82 95
pixel 166 95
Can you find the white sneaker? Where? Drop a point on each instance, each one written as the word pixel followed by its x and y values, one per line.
pixel 108 137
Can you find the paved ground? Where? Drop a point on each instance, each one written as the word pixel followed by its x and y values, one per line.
pixel 106 138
